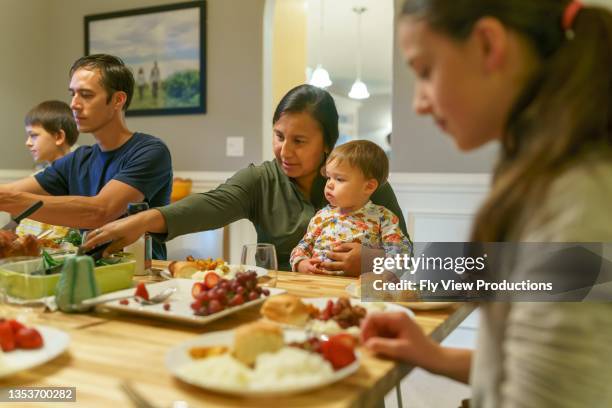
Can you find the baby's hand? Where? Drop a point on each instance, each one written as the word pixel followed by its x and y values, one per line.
pixel 309 266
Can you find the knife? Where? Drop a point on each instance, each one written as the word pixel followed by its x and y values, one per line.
pixel 95 252
pixel 14 222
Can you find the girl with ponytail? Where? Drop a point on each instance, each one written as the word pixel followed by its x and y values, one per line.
pixel 536 76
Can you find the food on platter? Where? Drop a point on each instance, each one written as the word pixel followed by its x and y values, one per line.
pixel 182 269
pixel 288 309
pixel 343 312
pixel 141 291
pixel 13 245
pixel 251 340
pixel 272 364
pixel 292 310
pixel 327 316
pixel 215 294
pixel 205 352
pixel 14 335
pixel 191 266
pixel 338 349
pixel 49 243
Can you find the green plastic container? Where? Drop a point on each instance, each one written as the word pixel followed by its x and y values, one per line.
pixel 16 282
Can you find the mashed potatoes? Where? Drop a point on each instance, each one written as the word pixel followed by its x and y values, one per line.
pixel 222 371
pixel 288 368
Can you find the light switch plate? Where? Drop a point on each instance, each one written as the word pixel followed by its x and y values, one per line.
pixel 234 146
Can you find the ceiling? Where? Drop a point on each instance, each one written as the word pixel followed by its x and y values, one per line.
pixel 338 46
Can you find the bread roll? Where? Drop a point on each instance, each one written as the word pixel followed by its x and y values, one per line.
pixel 253 339
pixel 286 309
pixel 182 269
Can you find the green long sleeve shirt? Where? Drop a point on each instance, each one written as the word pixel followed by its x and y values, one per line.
pixel 269 199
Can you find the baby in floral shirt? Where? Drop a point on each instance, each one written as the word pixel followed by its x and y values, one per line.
pixel 354 172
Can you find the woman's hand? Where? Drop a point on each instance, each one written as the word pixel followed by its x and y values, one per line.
pixel 125 231
pixel 395 335
pixel 345 257
pixel 309 266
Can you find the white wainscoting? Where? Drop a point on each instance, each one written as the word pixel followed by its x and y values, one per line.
pixel 437 206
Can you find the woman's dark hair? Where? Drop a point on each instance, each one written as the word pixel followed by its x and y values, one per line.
pixel 564 110
pixel 316 101
pixel 54 116
pixel 116 76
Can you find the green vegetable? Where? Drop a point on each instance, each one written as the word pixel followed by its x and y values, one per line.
pixel 73 237
pixel 48 261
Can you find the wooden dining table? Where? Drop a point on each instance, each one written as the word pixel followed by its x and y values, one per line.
pixel 107 348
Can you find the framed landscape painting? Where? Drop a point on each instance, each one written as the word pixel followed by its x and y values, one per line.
pixel 166 50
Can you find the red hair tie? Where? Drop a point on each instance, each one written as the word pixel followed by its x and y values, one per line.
pixel 569 15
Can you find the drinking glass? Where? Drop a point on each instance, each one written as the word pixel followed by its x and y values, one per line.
pixel 262 256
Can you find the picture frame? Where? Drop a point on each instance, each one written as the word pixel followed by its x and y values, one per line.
pixel 165 46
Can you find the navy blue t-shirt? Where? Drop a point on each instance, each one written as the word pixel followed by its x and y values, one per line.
pixel 142 162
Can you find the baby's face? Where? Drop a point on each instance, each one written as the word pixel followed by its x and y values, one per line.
pixel 347 187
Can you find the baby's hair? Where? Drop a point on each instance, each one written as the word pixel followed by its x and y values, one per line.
pixel 54 116
pixel 367 156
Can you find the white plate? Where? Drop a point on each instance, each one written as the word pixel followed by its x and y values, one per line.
pixel 165 273
pixel 351 289
pixel 371 307
pixel 180 302
pixel 55 343
pixel 179 355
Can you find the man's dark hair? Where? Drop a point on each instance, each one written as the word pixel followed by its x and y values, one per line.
pixel 116 76
pixel 54 116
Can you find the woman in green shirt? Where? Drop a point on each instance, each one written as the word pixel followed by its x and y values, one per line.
pixel 279 196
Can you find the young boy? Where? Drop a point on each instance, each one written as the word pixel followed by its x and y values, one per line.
pixel 51 130
pixel 354 171
pixel 52 134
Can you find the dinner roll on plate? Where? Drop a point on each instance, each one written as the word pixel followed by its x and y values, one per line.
pixel 287 309
pixel 253 339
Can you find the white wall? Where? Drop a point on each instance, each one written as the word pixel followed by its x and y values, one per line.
pixel 42 38
pixel 23 82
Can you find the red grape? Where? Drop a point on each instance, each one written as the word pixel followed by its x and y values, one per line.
pixel 214 306
pixel 253 296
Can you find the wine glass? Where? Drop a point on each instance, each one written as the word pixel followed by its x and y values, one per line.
pixel 262 256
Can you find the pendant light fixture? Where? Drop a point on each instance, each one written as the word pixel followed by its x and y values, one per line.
pixel 359 90
pixel 320 76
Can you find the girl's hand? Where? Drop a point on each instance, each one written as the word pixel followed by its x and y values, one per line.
pixel 395 335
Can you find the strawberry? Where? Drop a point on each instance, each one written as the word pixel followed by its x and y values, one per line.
pixel 7 337
pixel 141 291
pixel 338 350
pixel 15 325
pixel 211 279
pixel 197 289
pixel 29 338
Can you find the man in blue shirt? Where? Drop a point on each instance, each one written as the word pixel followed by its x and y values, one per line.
pixel 93 185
